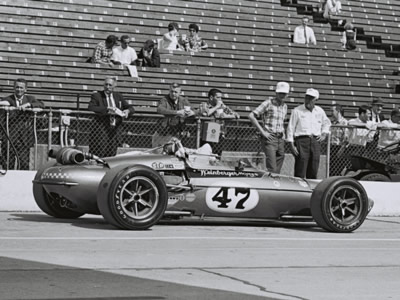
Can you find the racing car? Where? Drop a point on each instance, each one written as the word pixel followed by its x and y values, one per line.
pixel 135 190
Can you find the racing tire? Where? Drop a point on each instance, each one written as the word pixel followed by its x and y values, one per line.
pixel 374 177
pixel 47 203
pixel 134 197
pixel 339 204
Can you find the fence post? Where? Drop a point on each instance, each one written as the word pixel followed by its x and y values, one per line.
pixel 35 147
pixel 8 142
pixel 328 154
pixel 198 133
pixel 49 133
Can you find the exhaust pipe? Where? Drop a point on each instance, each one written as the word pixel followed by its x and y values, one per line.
pixel 67 156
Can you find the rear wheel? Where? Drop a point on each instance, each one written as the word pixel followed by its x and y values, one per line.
pixel 53 205
pixel 375 177
pixel 132 198
pixel 339 204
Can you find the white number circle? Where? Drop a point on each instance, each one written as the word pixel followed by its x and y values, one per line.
pixel 231 197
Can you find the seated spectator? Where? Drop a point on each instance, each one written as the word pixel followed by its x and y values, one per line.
pixel 103 51
pixel 149 55
pixel 349 37
pixel 124 54
pixel 331 8
pixel 304 34
pixel 170 39
pixel 194 42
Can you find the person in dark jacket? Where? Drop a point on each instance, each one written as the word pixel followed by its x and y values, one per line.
pixel 149 55
pixel 110 108
pixel 20 125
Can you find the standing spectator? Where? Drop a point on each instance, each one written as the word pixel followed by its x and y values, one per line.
pixel 338 134
pixel 376 113
pixel 170 39
pixel 21 129
pixel 194 42
pixel 176 109
pixel 331 8
pixel 124 54
pixel 362 136
pixel 216 109
pixel 338 140
pixel 103 51
pixel 149 55
pixel 388 133
pixel 273 111
pixel 303 34
pixel 349 37
pixel 308 126
pixel 110 108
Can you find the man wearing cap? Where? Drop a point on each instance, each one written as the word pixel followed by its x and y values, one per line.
pixel 377 105
pixel 308 126
pixel 273 112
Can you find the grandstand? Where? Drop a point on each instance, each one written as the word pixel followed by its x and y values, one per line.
pixel 47 42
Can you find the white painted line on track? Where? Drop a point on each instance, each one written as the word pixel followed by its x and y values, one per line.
pixel 202 238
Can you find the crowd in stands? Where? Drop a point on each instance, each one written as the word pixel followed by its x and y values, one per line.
pixel 308 124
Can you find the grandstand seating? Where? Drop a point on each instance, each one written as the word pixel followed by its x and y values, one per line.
pixel 47 42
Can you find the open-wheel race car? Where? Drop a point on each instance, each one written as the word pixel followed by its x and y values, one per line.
pixel 136 189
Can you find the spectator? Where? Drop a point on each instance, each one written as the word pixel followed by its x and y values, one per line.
pixel 349 37
pixel 376 113
pixel 110 108
pixel 362 136
pixel 331 8
pixel 176 109
pixel 307 128
pixel 304 34
pixel 21 129
pixel 170 39
pixel 338 134
pixel 273 111
pixel 387 136
pixel 338 140
pixel 149 56
pixel 124 54
pixel 194 42
pixel 103 51
pixel 216 109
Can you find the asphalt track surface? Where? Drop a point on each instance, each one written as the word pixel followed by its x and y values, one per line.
pixel 46 258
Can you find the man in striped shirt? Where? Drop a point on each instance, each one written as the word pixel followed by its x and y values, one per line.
pixel 273 112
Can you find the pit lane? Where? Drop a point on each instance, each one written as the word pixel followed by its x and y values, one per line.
pixel 46 258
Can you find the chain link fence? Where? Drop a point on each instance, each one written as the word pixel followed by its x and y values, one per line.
pixel 34 132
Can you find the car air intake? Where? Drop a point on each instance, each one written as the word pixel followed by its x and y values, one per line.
pixel 67 156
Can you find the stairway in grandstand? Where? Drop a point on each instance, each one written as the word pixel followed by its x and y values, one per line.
pixel 47 42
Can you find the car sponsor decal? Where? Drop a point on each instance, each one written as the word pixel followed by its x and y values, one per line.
pixel 230 199
pixel 223 173
pixel 164 165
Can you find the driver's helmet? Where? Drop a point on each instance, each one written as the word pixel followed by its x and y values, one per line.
pixel 170 148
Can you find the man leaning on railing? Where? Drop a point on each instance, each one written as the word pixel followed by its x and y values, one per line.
pixel 20 131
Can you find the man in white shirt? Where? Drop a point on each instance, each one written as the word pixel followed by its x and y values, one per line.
pixel 388 133
pixel 304 34
pixel 308 126
pixel 123 54
pixel 362 136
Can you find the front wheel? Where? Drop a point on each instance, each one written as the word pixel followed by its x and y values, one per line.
pixel 339 204
pixel 134 198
